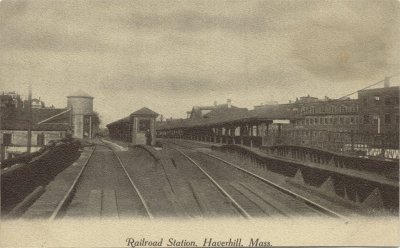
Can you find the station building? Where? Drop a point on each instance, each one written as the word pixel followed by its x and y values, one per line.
pixel 133 128
pixel 47 124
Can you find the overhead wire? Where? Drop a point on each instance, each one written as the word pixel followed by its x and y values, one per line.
pixel 352 93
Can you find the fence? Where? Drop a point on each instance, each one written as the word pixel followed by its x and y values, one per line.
pixel 363 144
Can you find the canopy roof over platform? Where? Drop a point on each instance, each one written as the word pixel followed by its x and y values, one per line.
pixel 231 116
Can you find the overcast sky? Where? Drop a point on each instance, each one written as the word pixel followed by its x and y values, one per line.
pixel 171 55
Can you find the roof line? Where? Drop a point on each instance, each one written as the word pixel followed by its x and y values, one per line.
pixel 54 116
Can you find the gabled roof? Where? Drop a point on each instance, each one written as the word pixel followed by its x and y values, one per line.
pixel 274 112
pixel 120 121
pixel 196 111
pixel 145 111
pixel 43 114
pixel 231 115
pixel 42 119
pixel 141 112
pixel 80 93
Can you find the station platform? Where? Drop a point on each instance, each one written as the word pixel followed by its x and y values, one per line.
pixel 364 175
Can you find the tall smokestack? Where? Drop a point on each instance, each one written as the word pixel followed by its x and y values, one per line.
pixel 229 103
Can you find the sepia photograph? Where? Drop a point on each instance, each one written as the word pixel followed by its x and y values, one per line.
pixel 191 123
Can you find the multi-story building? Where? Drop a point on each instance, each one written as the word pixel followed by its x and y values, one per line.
pixel 199 112
pixel 328 114
pixel 379 110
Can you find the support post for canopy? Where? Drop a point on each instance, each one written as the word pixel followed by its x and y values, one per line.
pixel 263 127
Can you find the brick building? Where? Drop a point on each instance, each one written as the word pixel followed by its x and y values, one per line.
pixel 379 110
pixel 328 115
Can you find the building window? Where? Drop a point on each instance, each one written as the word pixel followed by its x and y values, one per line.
pixel 7 137
pixel 388 119
pixel 335 120
pixel 40 139
pixel 388 101
pixel 144 125
pixel 397 119
pixel 366 119
pixel 316 121
pixel 351 120
pixel 341 121
pixel 377 99
pixel 330 120
pixel 365 101
pixel 311 121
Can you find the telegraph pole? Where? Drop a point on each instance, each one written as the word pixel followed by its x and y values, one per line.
pixel 1 139
pixel 29 119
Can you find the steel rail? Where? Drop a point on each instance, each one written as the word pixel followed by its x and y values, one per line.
pixel 134 186
pixel 68 195
pixel 235 203
pixel 282 189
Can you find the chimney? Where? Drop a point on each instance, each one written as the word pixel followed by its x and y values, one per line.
pixel 229 103
pixel 386 83
pixel 161 118
pixel 215 103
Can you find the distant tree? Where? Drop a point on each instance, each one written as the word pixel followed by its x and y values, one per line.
pixel 96 119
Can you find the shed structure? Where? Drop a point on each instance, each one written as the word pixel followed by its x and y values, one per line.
pixel 134 127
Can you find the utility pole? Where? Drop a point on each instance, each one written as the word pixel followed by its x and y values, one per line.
pixel 90 126
pixel 1 140
pixel 29 144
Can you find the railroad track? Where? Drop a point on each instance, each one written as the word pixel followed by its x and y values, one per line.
pixel 102 200
pixel 246 193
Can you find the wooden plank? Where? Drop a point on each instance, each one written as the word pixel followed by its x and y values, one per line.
pixel 263 205
pixel 93 209
pixel 284 208
pixel 109 204
pixel 179 210
pixel 202 199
